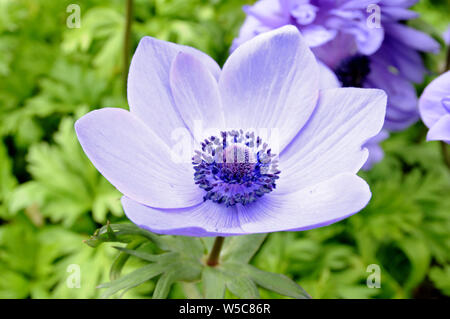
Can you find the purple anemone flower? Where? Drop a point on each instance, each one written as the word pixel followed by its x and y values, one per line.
pixel 237 182
pixel 344 35
pixel 434 105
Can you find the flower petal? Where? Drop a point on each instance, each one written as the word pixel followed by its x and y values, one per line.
pixel 331 142
pixel 135 160
pixel 196 93
pixel 149 94
pixel 413 38
pixel 328 80
pixel 314 206
pixel 440 131
pixel 317 35
pixel 270 82
pixel 430 103
pixel 376 152
pixel 205 219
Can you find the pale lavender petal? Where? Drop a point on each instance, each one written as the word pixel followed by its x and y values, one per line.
pixel 328 79
pixel 317 35
pixel 205 219
pixel 440 131
pixel 149 94
pixel 135 160
pixel 331 142
pixel 314 206
pixel 196 93
pixel 265 87
pixel 251 28
pixel 270 13
pixel 376 153
pixel 432 104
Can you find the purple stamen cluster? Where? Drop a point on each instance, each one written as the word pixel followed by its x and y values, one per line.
pixel 235 168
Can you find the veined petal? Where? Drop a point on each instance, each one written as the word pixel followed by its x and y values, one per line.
pixel 149 94
pixel 264 86
pixel 328 80
pixel 196 93
pixel 440 131
pixel 205 219
pixel 314 206
pixel 135 160
pixel 311 207
pixel 332 141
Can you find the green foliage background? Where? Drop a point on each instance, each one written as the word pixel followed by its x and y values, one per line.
pixel 52 198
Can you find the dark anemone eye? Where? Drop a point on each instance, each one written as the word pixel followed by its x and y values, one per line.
pixel 234 168
pixel 353 71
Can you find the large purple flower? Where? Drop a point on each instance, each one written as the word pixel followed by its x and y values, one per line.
pixel 344 35
pixel 434 105
pixel 235 184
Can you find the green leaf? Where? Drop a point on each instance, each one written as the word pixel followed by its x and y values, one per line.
pixel 242 248
pixel 276 282
pixel 121 259
pixel 139 254
pixel 124 233
pixel 243 287
pixel 441 278
pixel 133 279
pixel 163 285
pixel 213 283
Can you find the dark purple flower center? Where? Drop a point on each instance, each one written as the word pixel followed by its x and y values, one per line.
pixel 235 168
pixel 352 71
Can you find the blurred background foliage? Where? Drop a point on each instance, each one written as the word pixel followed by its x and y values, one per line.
pixel 52 198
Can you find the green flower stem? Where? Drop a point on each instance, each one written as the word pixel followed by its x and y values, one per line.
pixel 213 258
pixel 127 42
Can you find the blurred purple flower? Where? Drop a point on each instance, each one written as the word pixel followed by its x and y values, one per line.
pixel 376 153
pixel 434 105
pixel 446 35
pixel 236 186
pixel 342 35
